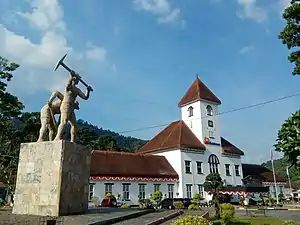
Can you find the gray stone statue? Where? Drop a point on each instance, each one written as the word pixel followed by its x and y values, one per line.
pixel 68 105
pixel 47 115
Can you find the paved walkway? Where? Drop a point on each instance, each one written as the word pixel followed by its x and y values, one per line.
pixel 95 215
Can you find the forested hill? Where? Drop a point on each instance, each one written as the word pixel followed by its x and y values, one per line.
pixel 106 139
pixel 28 125
pixel 280 166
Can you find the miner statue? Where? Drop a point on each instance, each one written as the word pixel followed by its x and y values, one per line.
pixel 65 106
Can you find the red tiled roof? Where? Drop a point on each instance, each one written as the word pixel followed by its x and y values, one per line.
pixel 175 136
pixel 229 148
pixel 198 90
pixel 263 172
pixel 105 163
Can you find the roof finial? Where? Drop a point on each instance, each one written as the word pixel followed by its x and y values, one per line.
pixel 197 76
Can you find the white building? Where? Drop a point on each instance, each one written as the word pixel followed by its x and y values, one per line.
pixel 131 176
pixel 185 152
pixel 194 146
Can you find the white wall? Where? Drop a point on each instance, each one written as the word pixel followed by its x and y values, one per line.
pixel 232 161
pixel 216 129
pixel 99 188
pixel 195 179
pixel 194 122
pixel 175 159
pixel 198 123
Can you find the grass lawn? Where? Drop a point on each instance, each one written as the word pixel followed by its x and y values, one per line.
pixel 253 221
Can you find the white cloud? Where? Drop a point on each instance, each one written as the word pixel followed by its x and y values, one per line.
pixel 246 49
pixel 45 14
pixel 160 8
pixel 96 53
pixel 250 10
pixel 37 59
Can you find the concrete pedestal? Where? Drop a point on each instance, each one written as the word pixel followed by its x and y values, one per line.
pixel 53 179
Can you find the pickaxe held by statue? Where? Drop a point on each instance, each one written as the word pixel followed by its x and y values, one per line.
pixel 61 63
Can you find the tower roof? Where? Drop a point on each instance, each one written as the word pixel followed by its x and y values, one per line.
pixel 175 136
pixel 198 91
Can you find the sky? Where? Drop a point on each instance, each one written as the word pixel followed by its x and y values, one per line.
pixel 141 56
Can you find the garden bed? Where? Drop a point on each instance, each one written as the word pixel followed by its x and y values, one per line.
pixel 252 221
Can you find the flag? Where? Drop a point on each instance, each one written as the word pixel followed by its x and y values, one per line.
pixel 287 171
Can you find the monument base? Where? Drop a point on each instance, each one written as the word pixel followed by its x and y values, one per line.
pixel 52 179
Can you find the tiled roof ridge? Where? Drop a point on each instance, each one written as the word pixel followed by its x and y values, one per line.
pixel 177 123
pixel 198 87
pixel 105 152
pixel 180 133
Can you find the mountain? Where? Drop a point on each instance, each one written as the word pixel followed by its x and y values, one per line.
pixel 28 125
pixel 124 143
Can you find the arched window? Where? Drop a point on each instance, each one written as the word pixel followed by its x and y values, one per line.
pixel 213 162
pixel 209 110
pixel 190 110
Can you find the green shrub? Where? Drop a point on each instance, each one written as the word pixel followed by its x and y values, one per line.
pixel 157 197
pixel 290 222
pixel 125 206
pixel 178 205
pixel 191 220
pixel 193 207
pixel 109 195
pixel 144 202
pixel 147 200
pixel 227 213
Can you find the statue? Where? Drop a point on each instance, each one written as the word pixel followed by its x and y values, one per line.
pixel 64 106
pixel 48 111
pixel 68 105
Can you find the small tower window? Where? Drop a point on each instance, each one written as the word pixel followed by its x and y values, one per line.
pixel 190 110
pixel 209 110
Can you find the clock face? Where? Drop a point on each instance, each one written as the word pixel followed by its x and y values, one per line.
pixel 210 123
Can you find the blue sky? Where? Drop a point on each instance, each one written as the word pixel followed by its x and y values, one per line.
pixel 141 56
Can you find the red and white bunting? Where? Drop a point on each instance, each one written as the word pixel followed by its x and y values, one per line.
pixel 274 182
pixel 132 178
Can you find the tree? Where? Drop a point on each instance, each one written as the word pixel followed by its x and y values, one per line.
pixel 105 142
pixel 290 35
pixel 29 126
pixel 9 145
pixel 288 140
pixel 213 184
pixel 281 165
pixel 10 106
